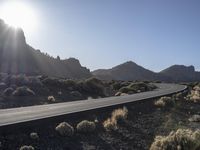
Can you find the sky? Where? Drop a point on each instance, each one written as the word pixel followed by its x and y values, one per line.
pixel 103 33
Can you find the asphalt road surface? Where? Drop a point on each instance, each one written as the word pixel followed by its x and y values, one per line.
pixel 25 114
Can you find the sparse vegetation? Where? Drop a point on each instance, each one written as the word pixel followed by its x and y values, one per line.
pixel 34 136
pixel 194 118
pixel 118 94
pixel 25 147
pixel 61 83
pixel 23 91
pixel 76 94
pixel 110 125
pixel 2 85
pixel 8 91
pixel 182 139
pixel 65 129
pixel 165 102
pixel 86 126
pixel 179 96
pixel 93 86
pixel 137 87
pixel 51 99
pixel 117 116
pixel 195 94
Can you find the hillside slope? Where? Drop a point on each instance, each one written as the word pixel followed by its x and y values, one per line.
pixel 16 56
pixel 132 71
pixel 181 73
pixel 128 71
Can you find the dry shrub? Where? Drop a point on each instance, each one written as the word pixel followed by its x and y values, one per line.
pixel 51 99
pixel 120 114
pixel 194 118
pixel 23 91
pixel 182 139
pixel 65 129
pixel 93 86
pixel 179 96
pixel 34 136
pixel 195 94
pixel 25 147
pixel 2 85
pixel 165 102
pixel 76 94
pixel 118 94
pixel 110 124
pixel 86 126
pixel 117 116
pixel 8 91
pixel 137 88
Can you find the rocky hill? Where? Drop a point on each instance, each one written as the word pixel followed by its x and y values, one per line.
pixel 128 71
pixel 16 56
pixel 131 71
pixel 181 73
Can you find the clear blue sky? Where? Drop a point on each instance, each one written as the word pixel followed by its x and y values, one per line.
pixel 104 33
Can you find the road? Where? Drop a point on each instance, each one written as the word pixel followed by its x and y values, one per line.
pixel 25 114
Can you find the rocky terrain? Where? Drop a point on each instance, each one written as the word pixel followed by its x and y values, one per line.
pixel 21 90
pixel 125 127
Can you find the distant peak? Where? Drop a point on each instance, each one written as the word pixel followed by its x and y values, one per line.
pixel 128 63
pixel 183 67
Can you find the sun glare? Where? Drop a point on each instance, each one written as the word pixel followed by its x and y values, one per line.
pixel 18 15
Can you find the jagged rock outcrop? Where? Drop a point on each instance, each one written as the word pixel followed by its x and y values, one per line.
pixel 16 56
pixel 181 73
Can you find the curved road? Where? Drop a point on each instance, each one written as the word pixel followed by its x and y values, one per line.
pixel 25 114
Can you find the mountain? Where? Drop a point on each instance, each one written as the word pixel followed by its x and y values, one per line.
pixel 181 73
pixel 16 56
pixel 128 71
pixel 131 71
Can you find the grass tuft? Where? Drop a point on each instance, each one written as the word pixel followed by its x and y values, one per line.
pixel 182 139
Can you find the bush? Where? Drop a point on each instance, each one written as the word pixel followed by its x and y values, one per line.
pixel 19 80
pixel 34 136
pixel 65 129
pixel 194 118
pixel 8 91
pixel 69 84
pixel 51 82
pixel 25 147
pixel 195 94
pixel 110 124
pixel 126 90
pixel 86 126
pixel 137 87
pixel 182 139
pixel 51 99
pixel 23 91
pixel 34 81
pixel 2 86
pixel 165 102
pixel 76 94
pixel 93 86
pixel 66 84
pixel 179 96
pixel 117 116
pixel 120 114
pixel 116 85
pixel 118 94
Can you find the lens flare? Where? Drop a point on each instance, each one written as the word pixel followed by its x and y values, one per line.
pixel 18 15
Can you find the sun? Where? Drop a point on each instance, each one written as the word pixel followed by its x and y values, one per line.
pixel 18 15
